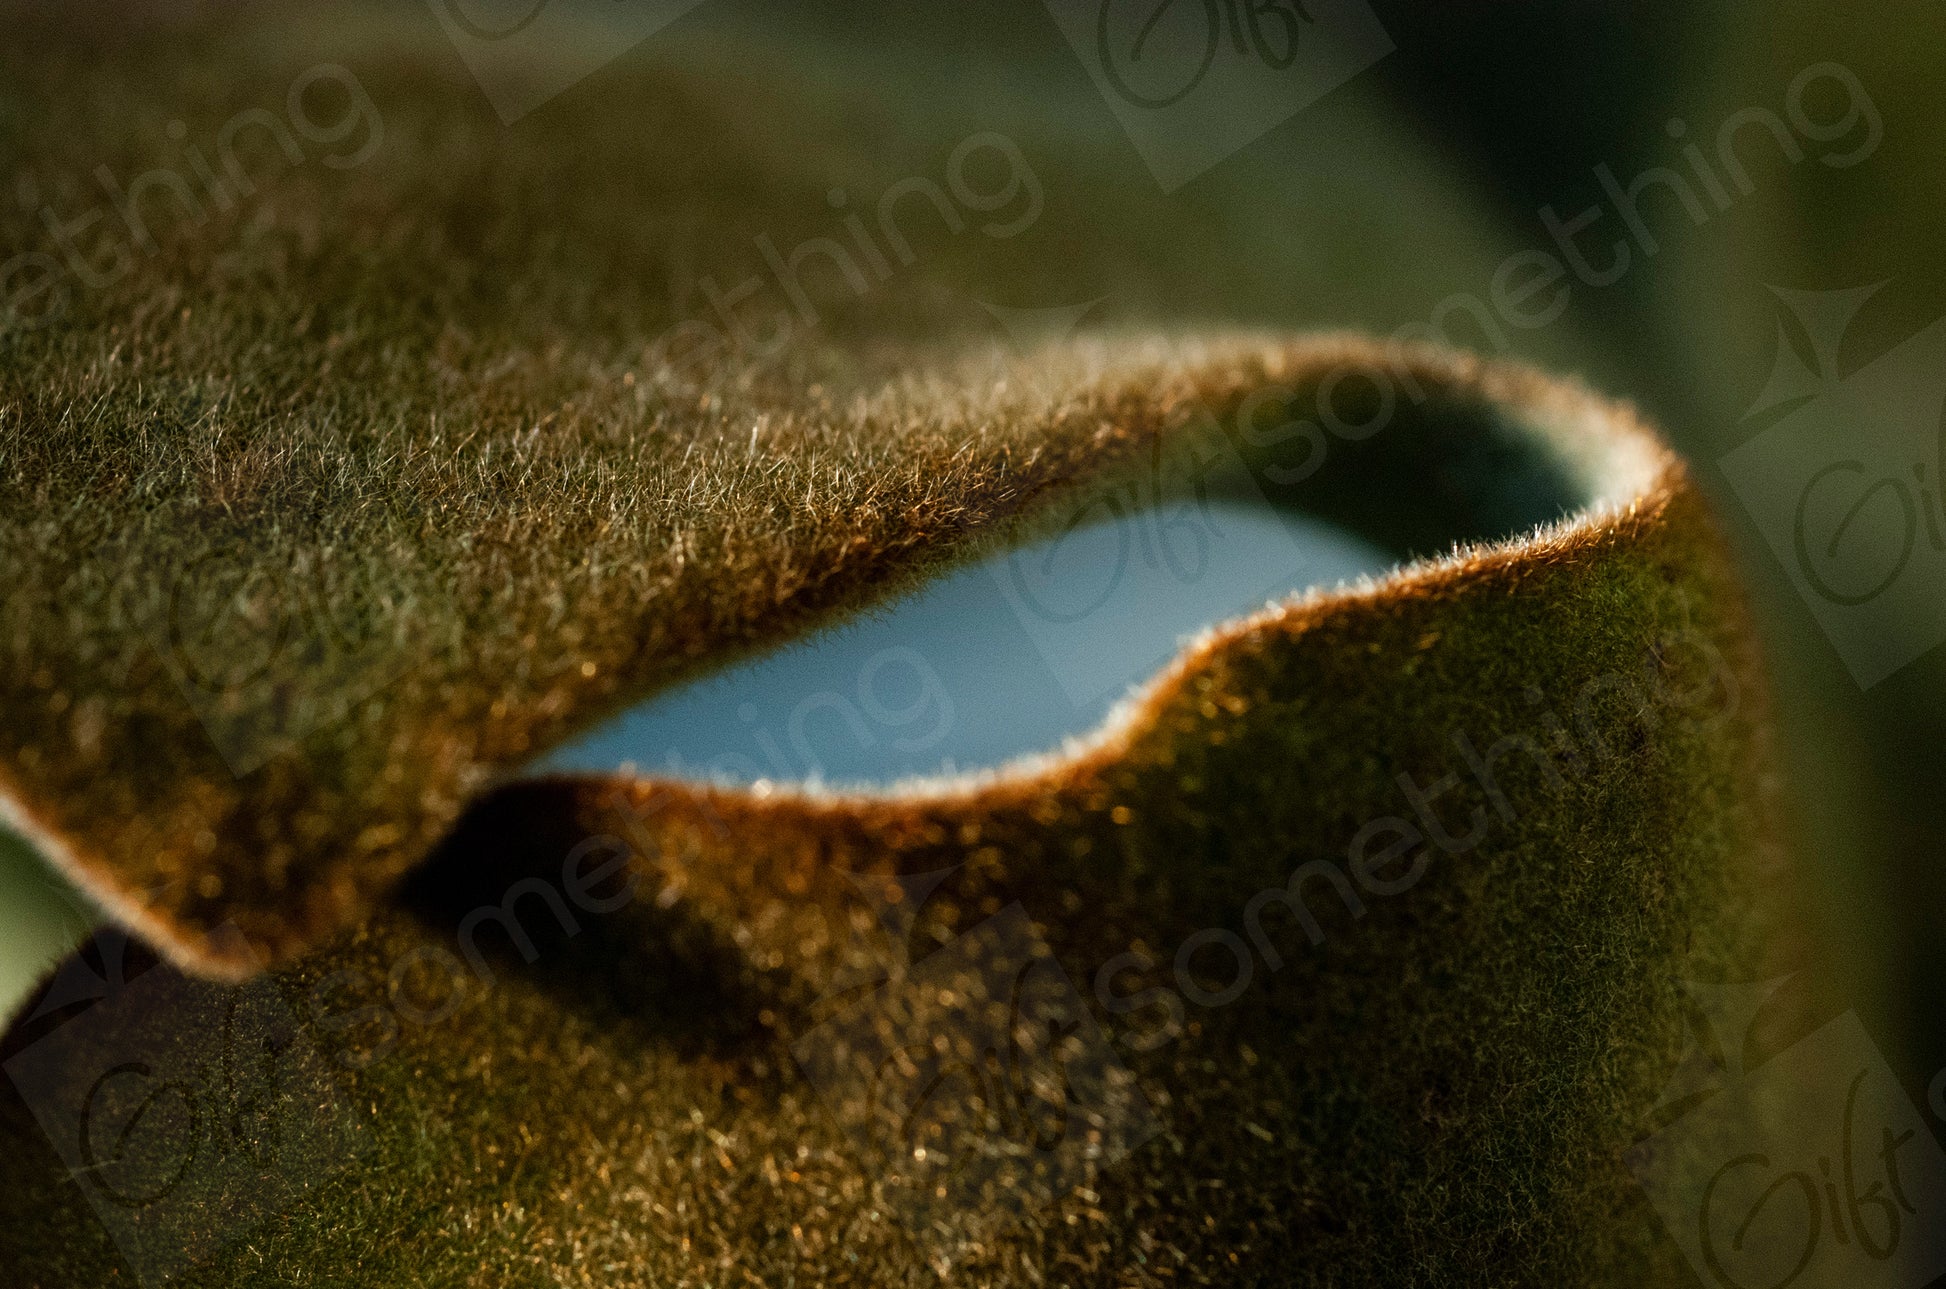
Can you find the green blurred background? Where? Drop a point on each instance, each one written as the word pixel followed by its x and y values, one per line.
pixel 1415 181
